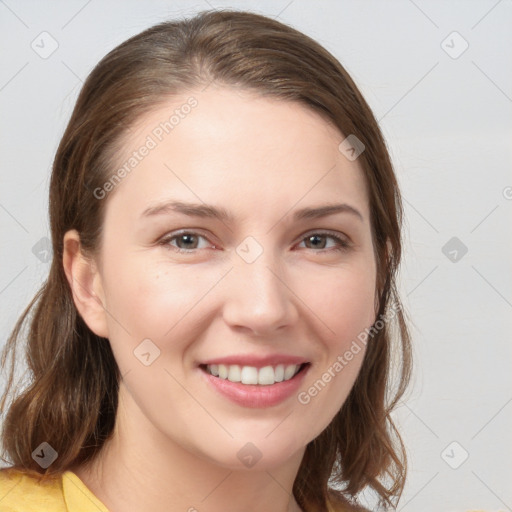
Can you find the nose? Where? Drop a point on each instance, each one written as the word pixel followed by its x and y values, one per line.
pixel 259 300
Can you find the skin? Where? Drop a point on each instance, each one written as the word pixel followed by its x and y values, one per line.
pixel 176 440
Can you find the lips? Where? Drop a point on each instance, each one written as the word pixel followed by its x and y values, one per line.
pixel 256 395
pixel 255 380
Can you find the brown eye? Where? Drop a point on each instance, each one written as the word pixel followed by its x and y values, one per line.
pixel 316 242
pixel 185 242
pixel 321 241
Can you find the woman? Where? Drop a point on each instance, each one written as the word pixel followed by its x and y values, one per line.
pixel 214 333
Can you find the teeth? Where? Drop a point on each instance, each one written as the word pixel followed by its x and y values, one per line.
pixel 265 376
pixel 249 375
pixel 234 373
pixel 279 373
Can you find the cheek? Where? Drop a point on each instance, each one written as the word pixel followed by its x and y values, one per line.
pixel 147 299
pixel 344 301
pixel 345 305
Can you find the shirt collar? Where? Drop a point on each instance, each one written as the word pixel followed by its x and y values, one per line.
pixel 78 496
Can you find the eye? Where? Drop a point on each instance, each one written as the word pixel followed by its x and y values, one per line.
pixel 190 241
pixel 320 241
pixel 186 241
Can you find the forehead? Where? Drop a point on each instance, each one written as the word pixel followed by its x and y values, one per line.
pixel 236 146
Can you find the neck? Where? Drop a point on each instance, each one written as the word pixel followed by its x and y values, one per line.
pixel 139 468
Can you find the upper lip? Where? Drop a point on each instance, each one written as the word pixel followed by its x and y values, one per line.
pixel 258 361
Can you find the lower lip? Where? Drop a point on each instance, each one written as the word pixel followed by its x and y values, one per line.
pixel 256 396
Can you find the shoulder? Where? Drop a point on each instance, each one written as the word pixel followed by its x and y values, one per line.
pixel 21 492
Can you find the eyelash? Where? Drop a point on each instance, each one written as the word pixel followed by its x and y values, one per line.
pixel 343 244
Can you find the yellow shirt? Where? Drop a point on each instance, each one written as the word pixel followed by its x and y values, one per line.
pixel 22 493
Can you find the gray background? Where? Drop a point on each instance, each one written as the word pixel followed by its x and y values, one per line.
pixel 446 114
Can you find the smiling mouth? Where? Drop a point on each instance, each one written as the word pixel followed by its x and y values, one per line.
pixel 251 375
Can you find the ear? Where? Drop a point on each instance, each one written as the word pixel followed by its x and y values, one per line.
pixel 86 286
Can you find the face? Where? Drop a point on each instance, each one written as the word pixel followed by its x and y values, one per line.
pixel 218 251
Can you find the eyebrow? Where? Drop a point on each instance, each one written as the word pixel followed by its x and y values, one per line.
pixel 209 211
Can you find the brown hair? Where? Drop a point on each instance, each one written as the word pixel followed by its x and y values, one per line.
pixel 71 400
